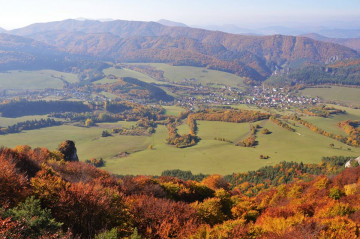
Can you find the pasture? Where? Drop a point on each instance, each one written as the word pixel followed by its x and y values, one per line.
pixel 173 110
pixel 208 156
pixel 31 80
pixel 89 142
pixel 213 156
pixel 345 95
pixel 123 72
pixel 177 74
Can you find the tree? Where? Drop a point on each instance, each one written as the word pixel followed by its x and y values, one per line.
pixel 105 133
pixel 89 122
pixel 38 221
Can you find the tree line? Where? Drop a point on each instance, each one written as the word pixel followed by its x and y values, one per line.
pixel 235 116
pixel 29 125
pixel 24 107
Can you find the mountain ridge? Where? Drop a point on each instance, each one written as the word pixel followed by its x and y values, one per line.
pixel 353 43
pixel 171 23
pixel 253 57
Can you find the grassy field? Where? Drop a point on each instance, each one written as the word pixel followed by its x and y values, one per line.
pixel 330 124
pixel 212 156
pixel 335 93
pixel 31 80
pixel 89 142
pixel 177 74
pixel 208 156
pixel 173 110
pixel 125 73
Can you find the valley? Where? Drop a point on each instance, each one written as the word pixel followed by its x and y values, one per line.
pixel 126 154
pixel 162 129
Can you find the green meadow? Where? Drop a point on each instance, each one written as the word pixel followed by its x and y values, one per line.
pixel 338 94
pixel 212 156
pixel 173 110
pixel 89 142
pixel 42 79
pixel 208 156
pixel 177 74
pixel 123 72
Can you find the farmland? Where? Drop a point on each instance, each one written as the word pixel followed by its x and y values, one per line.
pixel 30 80
pixel 344 95
pixel 213 156
pixel 214 153
pixel 208 156
pixel 177 74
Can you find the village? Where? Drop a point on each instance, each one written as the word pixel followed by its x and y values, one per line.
pixel 258 96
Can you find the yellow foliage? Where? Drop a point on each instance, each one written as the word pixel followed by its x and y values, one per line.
pixel 339 228
pixel 280 224
pixel 210 211
pixel 22 148
pixel 295 192
pixel 322 182
pixel 47 183
pixel 351 189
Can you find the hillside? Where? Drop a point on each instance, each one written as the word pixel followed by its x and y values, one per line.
pixel 254 57
pixel 353 43
pixel 23 53
pixel 339 73
pixel 46 194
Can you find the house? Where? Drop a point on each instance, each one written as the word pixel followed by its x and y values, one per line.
pixel 348 163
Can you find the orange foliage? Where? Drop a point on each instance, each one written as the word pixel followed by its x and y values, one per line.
pixel 161 218
pixel 215 182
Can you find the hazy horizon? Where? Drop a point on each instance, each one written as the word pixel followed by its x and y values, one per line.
pixel 240 13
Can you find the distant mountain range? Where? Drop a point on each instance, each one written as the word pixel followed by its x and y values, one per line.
pixel 294 31
pixel 171 23
pixel 253 57
pixel 353 43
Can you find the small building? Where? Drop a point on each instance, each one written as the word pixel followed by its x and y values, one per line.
pixel 348 163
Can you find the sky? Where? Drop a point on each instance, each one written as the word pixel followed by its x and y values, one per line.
pixel 242 13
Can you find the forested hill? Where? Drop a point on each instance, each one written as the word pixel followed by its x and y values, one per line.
pixel 254 57
pixel 23 53
pixel 353 43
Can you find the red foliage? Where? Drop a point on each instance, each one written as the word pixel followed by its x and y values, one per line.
pixel 348 176
pixel 11 229
pixel 141 185
pixel 161 218
pixel 87 209
pixel 284 212
pixel 14 186
pixel 23 160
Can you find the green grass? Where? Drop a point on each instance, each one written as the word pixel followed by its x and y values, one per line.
pixel 31 80
pixel 208 156
pixel 125 73
pixel 330 124
pixel 173 110
pixel 177 74
pixel 89 142
pixel 212 156
pixel 335 93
